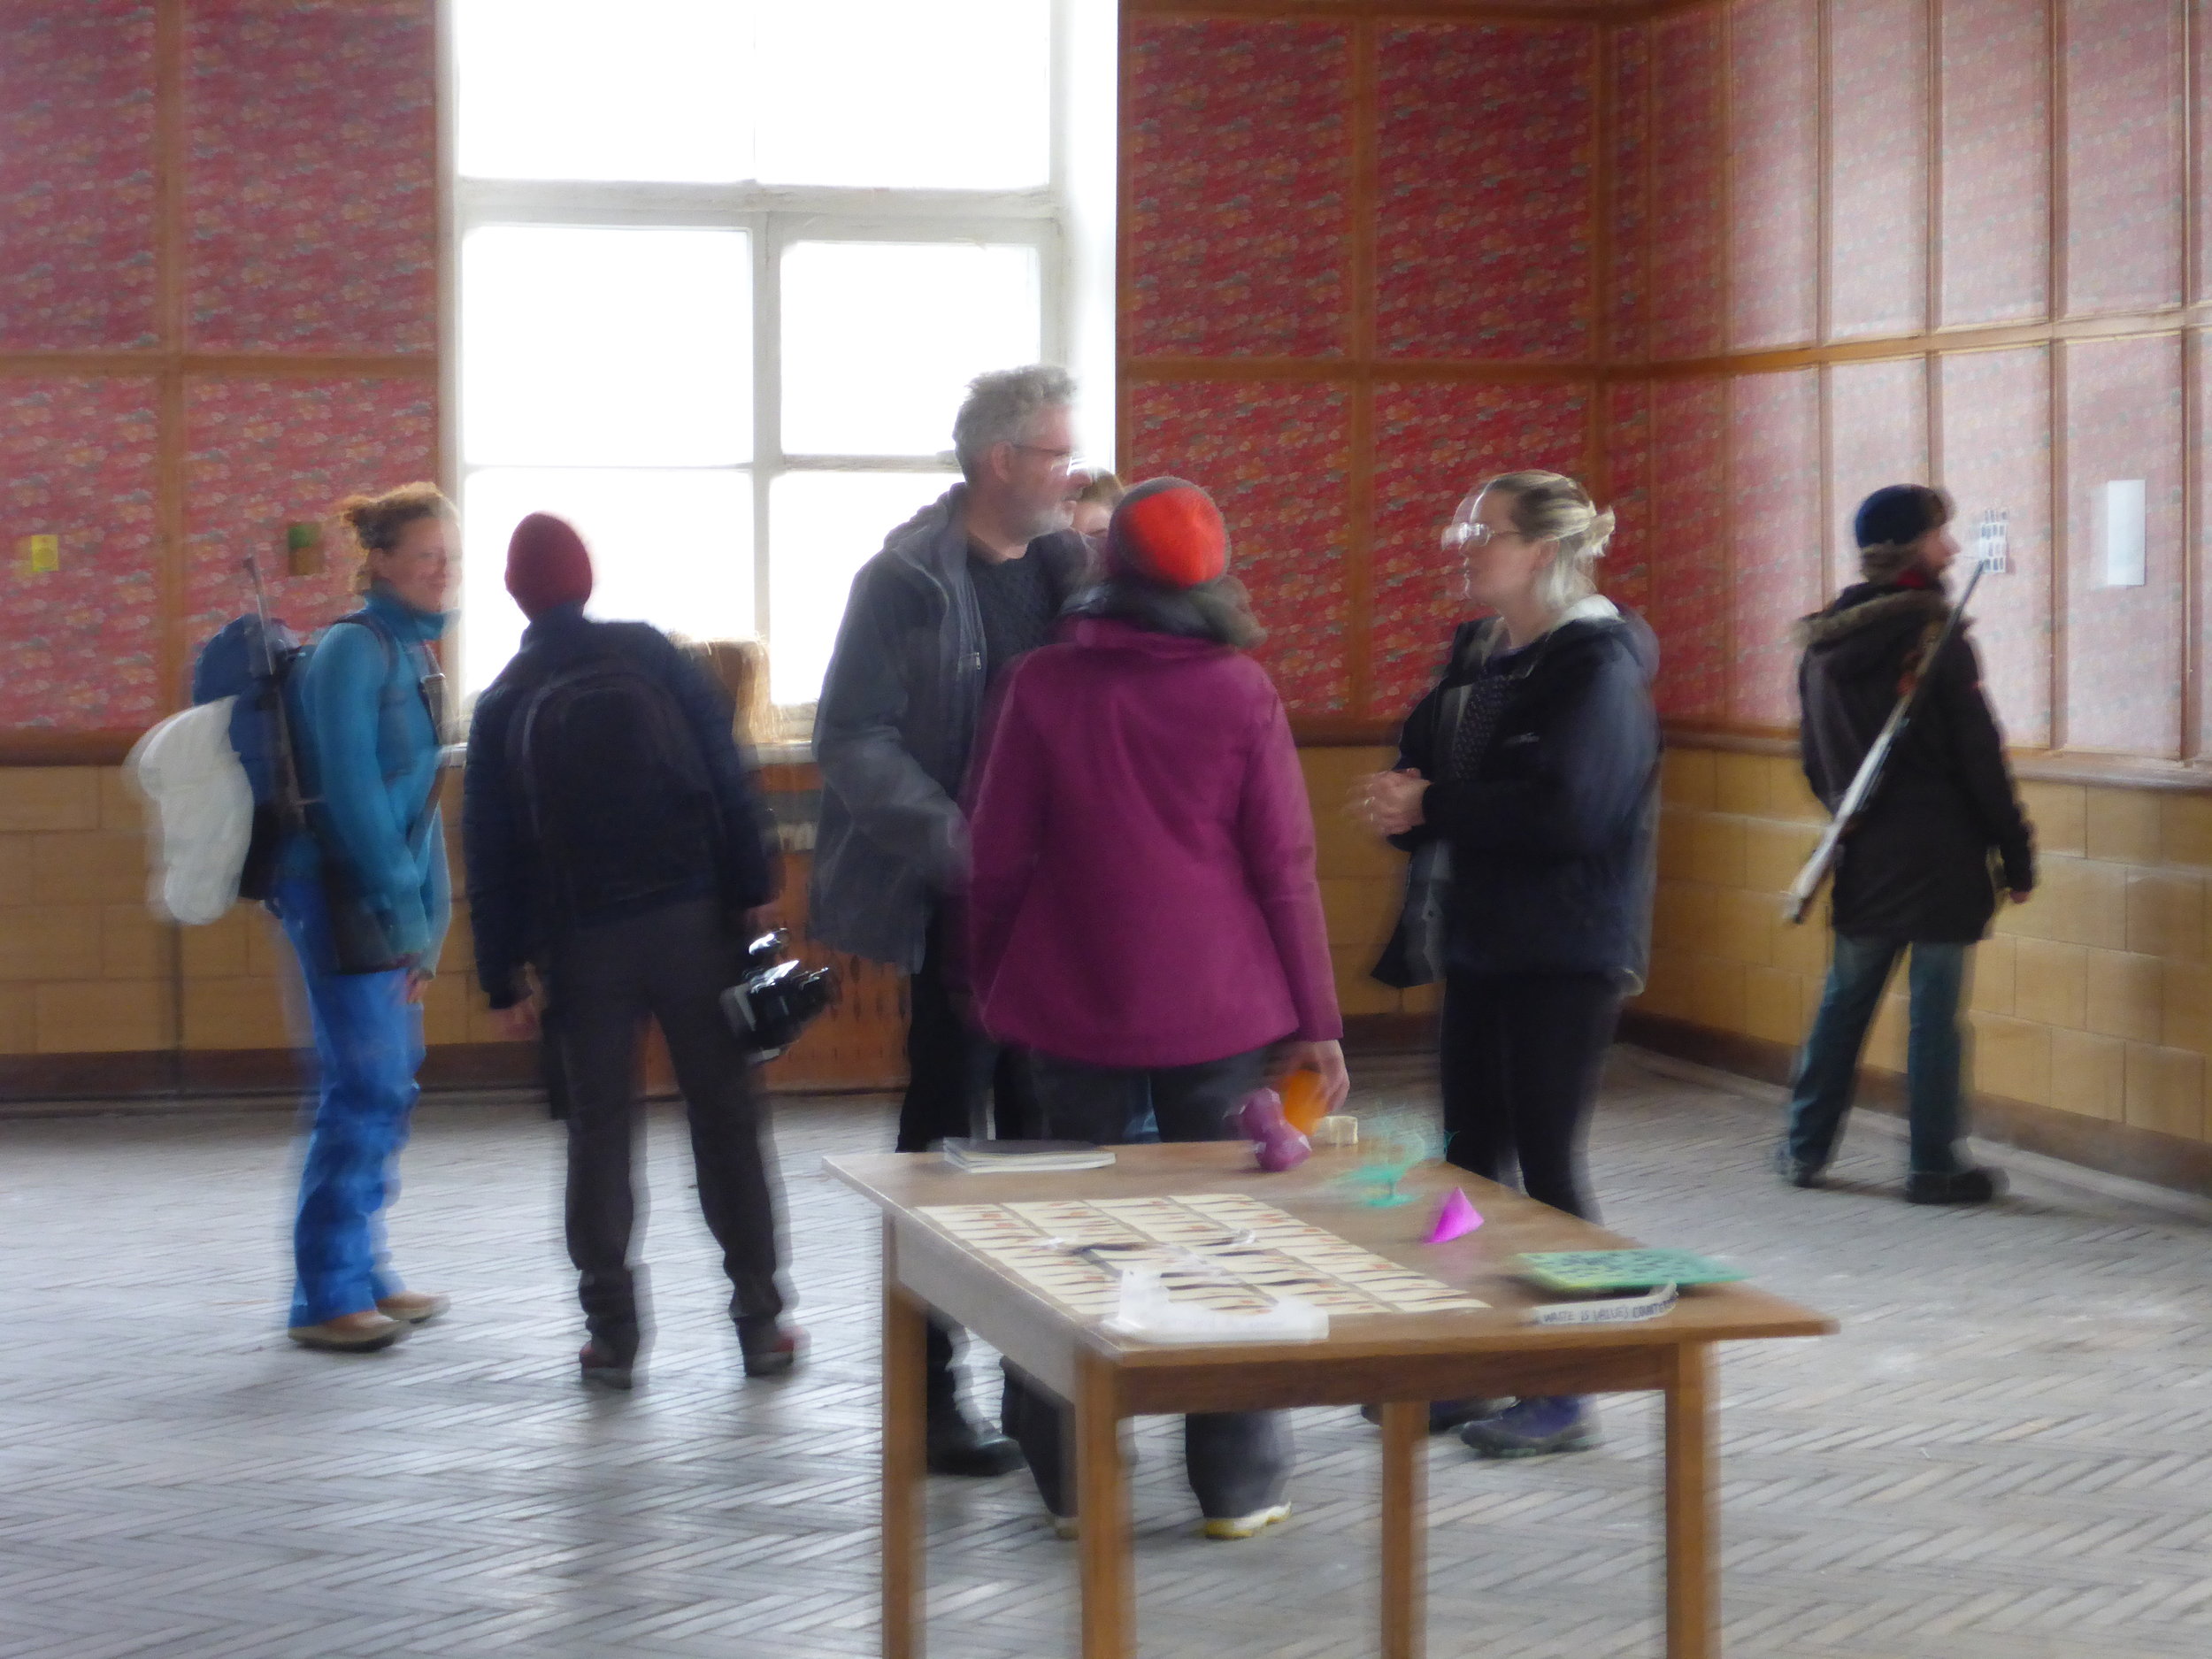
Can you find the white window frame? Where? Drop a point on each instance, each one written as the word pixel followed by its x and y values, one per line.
pixel 774 217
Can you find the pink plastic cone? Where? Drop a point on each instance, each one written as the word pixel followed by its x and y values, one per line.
pixel 1457 1219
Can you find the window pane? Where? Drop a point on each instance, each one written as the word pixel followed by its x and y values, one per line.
pixel 934 94
pixel 673 548
pixel 581 89
pixel 606 348
pixel 881 339
pixel 822 527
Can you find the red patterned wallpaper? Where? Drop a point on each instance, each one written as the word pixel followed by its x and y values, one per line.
pixel 1432 444
pixel 1689 546
pixel 2201 403
pixel 1630 207
pixel 2122 415
pixel 2201 130
pixel 1687 255
pixel 311 190
pixel 1485 196
pixel 1774 139
pixel 2125 84
pixel 1996 183
pixel 1878 173
pixel 1625 575
pixel 1997 457
pixel 1878 434
pixel 76 175
pixel 1278 459
pixel 77 461
pixel 1774 486
pixel 1237 144
pixel 263 454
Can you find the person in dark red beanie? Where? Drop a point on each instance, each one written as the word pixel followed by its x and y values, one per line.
pixel 548 564
pixel 615 844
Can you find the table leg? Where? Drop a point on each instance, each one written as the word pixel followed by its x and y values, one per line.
pixel 904 1475
pixel 1405 1447
pixel 1693 1569
pixel 1102 1496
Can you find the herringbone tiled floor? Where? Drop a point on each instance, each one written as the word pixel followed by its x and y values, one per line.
pixel 2005 1454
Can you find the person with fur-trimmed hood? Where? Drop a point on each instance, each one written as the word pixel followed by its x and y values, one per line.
pixel 1920 871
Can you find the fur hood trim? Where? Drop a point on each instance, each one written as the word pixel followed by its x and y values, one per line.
pixel 1885 561
pixel 1830 627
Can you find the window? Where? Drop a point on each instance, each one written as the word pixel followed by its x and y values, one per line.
pixel 725 267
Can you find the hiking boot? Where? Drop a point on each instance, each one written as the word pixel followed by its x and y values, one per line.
pixel 1534 1428
pixel 603 1366
pixel 1795 1169
pixel 413 1307
pixel 364 1332
pixel 770 1347
pixel 1962 1186
pixel 958 1445
pixel 1447 1415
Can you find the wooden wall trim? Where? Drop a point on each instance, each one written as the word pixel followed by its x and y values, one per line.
pixel 34 747
pixel 2096 1143
pixel 2032 766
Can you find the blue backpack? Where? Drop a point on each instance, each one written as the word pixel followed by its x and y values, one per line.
pixel 249 659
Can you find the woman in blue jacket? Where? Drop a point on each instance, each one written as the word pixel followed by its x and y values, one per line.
pixel 363 899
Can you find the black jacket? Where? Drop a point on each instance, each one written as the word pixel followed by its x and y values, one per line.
pixel 509 910
pixel 1552 840
pixel 1918 867
pixel 893 731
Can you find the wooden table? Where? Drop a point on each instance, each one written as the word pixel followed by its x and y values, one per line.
pixel 1400 1361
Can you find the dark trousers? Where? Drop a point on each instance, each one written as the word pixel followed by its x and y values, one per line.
pixel 669 965
pixel 1522 1057
pixel 952 1071
pixel 1237 1462
pixel 1828 1069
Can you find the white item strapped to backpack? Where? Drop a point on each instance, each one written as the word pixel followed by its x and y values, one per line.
pixel 202 821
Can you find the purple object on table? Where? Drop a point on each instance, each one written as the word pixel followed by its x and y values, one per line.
pixel 1457 1219
pixel 1278 1145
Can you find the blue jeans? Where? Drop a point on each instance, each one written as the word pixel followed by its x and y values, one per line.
pixel 1829 1065
pixel 368 1046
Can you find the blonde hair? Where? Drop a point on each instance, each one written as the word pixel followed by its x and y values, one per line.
pixel 1551 507
pixel 742 665
pixel 1104 490
pixel 376 522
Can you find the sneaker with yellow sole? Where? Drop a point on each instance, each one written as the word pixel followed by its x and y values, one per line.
pixel 1229 1527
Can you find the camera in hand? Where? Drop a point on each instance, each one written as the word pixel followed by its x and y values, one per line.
pixel 776 998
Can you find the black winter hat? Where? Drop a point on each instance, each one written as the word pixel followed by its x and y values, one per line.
pixel 1897 514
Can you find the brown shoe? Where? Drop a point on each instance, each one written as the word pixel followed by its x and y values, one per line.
pixel 362 1332
pixel 413 1307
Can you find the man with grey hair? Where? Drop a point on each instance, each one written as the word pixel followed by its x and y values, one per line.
pixel 958 593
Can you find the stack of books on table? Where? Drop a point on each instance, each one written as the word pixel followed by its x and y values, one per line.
pixel 1029 1157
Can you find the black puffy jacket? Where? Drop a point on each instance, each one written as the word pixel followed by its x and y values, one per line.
pixel 1918 867
pixel 1552 839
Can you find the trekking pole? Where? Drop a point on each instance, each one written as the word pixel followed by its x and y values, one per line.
pixel 1853 806
pixel 290 807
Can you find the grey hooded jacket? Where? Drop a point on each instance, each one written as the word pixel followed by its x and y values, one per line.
pixel 893 731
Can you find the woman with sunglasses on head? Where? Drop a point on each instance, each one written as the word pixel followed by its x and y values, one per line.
pixel 1527 787
pixel 363 898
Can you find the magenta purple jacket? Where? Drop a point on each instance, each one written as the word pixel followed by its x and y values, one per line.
pixel 1143 890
